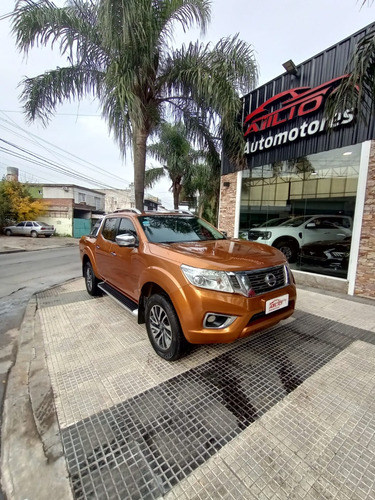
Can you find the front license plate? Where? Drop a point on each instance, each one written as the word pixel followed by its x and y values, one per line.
pixel 277 303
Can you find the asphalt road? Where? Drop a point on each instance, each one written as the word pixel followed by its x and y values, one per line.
pixel 21 275
pixel 25 273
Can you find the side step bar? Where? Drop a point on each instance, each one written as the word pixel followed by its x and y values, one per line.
pixel 126 303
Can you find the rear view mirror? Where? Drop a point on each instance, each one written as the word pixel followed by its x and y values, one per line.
pixel 126 240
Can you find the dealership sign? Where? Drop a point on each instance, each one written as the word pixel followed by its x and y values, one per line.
pixel 271 124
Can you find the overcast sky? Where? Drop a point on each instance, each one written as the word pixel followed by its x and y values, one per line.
pixel 77 139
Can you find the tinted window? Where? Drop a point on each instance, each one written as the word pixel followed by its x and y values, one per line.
pixel 109 229
pixel 295 222
pixel 126 227
pixel 29 224
pixel 21 224
pixel 172 229
pixel 95 228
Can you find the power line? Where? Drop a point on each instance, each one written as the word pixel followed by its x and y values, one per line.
pixel 45 163
pixel 99 169
pixel 55 114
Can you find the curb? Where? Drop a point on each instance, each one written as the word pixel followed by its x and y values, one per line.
pixel 33 463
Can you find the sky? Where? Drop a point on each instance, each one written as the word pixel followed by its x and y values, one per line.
pixel 77 138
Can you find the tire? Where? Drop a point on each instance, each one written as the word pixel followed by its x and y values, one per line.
pixel 91 281
pixel 164 329
pixel 289 248
pixel 34 234
pixel 8 232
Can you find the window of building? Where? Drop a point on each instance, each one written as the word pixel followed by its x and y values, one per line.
pixel 81 197
pixel 97 203
pixel 324 184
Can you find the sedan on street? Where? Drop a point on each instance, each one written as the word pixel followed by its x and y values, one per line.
pixel 30 228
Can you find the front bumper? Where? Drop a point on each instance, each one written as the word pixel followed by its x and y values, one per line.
pixel 192 305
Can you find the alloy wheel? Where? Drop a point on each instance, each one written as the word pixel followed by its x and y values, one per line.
pixel 161 329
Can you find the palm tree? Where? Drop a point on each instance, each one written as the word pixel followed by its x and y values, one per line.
pixel 175 153
pixel 118 51
pixel 357 91
pixel 204 184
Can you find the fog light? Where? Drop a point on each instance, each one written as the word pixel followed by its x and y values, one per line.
pixel 212 320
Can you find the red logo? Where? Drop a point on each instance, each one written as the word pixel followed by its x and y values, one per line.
pixel 275 304
pixel 295 102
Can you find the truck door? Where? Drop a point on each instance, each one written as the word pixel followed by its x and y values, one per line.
pixel 104 242
pixel 126 265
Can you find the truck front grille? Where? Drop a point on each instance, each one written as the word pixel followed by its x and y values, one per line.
pixel 263 280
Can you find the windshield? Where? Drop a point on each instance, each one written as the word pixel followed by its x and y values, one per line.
pixel 274 222
pixel 173 229
pixel 296 221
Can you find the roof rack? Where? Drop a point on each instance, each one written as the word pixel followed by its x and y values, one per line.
pixel 133 210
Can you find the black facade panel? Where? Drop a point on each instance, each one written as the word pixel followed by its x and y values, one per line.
pixel 318 70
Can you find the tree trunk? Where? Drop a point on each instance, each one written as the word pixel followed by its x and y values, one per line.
pixel 176 192
pixel 139 151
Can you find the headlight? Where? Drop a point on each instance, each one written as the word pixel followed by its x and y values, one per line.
pixel 266 235
pixel 205 278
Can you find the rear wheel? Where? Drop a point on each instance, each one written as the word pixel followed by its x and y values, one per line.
pixel 289 248
pixel 34 234
pixel 8 232
pixel 91 281
pixel 164 329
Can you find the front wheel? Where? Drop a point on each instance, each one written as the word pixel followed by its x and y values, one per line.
pixel 91 281
pixel 8 232
pixel 164 329
pixel 288 248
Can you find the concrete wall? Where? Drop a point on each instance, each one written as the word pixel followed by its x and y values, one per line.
pixel 116 199
pixel 60 215
pixel 78 194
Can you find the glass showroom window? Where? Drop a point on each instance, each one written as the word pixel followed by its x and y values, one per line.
pixel 324 184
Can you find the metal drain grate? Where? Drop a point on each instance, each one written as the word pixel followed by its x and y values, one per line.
pixel 144 446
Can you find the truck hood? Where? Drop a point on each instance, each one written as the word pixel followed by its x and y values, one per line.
pixel 226 255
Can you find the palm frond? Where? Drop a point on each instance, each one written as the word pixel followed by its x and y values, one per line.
pixel 42 94
pixel 153 175
pixel 357 91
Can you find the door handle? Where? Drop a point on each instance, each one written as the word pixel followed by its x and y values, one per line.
pixel 114 253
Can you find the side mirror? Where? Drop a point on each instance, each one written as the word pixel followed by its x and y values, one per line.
pixel 126 240
pixel 311 225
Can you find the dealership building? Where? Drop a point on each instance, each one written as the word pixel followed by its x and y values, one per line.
pixel 299 164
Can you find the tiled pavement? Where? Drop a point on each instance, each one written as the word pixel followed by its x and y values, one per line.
pixel 286 413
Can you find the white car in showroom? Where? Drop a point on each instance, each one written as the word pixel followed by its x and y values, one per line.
pixel 292 234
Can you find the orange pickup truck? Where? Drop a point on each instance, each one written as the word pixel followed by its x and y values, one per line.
pixel 185 279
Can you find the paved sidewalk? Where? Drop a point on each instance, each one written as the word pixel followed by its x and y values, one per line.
pixel 10 244
pixel 286 413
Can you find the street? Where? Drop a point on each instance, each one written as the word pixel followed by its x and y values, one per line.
pixel 22 275
pixel 25 273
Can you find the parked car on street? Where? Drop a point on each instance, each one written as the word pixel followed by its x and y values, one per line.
pixel 30 228
pixel 292 234
pixel 185 280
